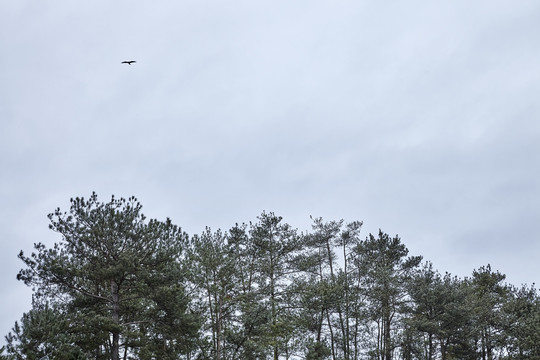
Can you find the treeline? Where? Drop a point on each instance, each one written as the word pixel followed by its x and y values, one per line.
pixel 119 286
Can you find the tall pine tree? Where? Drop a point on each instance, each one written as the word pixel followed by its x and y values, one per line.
pixel 117 275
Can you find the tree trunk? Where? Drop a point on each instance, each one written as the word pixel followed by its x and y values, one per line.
pixel 338 306
pixel 444 348
pixel 430 346
pixel 331 335
pixel 115 348
pixel 273 307
pixel 347 349
pixel 387 354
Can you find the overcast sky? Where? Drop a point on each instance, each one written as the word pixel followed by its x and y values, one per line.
pixel 421 118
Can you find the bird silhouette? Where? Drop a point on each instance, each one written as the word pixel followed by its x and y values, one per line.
pixel 129 62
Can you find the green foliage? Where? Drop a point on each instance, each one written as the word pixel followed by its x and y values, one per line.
pixel 119 276
pixel 385 270
pixel 44 331
pixel 489 294
pixel 274 244
pixel 117 285
pixel 522 323
pixel 317 351
pixel 213 271
pixel 442 313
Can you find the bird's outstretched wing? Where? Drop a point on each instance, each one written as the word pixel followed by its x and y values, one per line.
pixel 129 62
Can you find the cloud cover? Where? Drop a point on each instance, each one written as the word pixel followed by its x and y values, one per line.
pixel 416 117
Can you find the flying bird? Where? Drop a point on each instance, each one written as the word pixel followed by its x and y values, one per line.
pixel 129 62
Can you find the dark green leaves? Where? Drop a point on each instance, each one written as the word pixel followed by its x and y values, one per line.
pixel 117 285
pixel 117 274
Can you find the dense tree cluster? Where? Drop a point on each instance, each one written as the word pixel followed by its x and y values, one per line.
pixel 117 286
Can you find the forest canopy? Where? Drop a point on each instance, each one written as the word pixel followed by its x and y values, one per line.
pixel 119 286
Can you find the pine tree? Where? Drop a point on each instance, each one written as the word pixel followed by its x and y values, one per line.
pixel 118 275
pixel 383 263
pixel 274 246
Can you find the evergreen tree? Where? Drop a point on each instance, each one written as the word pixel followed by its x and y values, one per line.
pixel 119 286
pixel 489 297
pixel 274 246
pixel 44 332
pixel 252 315
pixel 213 268
pixel 522 325
pixel 338 286
pixel 427 292
pixel 323 240
pixel 383 263
pixel 442 314
pixel 118 275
